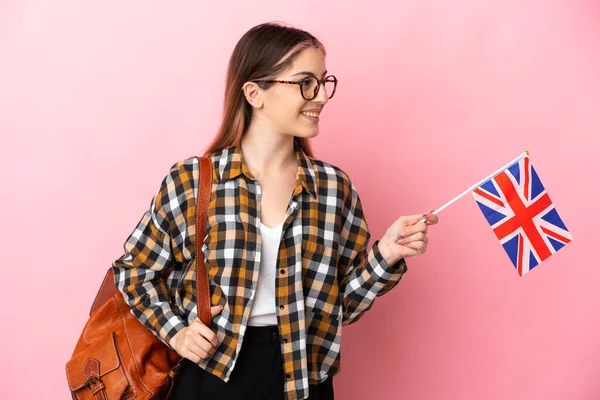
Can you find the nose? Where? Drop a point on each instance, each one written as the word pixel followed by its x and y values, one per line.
pixel 322 96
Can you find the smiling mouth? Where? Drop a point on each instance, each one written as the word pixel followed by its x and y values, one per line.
pixel 310 114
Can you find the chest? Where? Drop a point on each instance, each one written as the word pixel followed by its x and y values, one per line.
pixel 275 197
pixel 307 252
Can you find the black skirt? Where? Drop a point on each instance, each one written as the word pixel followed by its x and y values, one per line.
pixel 257 375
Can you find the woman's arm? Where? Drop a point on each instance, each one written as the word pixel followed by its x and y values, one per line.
pixel 364 273
pixel 368 274
pixel 147 256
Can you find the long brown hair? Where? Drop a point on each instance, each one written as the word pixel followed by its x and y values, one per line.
pixel 263 52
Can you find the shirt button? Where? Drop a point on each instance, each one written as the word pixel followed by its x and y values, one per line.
pixel 281 307
pixel 288 376
pixel 282 271
pixel 284 340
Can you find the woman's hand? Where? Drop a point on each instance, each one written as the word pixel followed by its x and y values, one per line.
pixel 196 341
pixel 406 237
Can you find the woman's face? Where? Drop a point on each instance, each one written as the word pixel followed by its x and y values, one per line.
pixel 288 112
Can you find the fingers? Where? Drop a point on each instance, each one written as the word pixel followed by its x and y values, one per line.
pixel 412 219
pixel 206 348
pixel 196 348
pixel 195 353
pixel 419 247
pixel 414 225
pixel 414 237
pixel 431 218
pixel 413 229
pixel 206 333
pixel 214 310
pixel 197 342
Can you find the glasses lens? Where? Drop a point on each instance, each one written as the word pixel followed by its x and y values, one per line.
pixel 309 87
pixel 330 85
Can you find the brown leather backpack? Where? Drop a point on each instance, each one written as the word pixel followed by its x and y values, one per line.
pixel 116 356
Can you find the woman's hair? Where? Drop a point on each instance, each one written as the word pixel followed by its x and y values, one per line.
pixel 262 53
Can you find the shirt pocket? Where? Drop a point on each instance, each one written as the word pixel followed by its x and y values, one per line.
pixel 319 280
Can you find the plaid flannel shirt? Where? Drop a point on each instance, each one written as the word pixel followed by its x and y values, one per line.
pixel 326 276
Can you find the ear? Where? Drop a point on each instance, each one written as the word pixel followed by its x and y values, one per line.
pixel 253 94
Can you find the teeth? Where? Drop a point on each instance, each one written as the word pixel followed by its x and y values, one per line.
pixel 311 114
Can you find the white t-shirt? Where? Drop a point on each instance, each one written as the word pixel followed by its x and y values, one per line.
pixel 263 310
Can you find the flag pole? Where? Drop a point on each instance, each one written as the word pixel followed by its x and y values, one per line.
pixel 516 160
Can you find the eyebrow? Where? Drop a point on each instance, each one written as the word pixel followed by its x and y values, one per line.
pixel 308 73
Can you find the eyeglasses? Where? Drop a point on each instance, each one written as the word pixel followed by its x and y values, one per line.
pixel 309 86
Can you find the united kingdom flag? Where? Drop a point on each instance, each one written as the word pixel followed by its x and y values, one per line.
pixel 522 216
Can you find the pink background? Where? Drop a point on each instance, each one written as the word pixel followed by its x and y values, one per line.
pixel 99 99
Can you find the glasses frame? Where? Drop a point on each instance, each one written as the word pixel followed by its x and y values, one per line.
pixel 299 83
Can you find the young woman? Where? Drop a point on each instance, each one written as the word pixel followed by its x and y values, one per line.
pixel 286 239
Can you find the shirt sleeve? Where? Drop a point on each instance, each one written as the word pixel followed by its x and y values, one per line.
pixel 364 273
pixel 147 257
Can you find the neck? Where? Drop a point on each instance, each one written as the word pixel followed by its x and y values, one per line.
pixel 267 152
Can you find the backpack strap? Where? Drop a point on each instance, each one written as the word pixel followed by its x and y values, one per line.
pixel 202 286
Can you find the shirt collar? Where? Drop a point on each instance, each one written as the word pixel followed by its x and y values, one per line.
pixel 232 165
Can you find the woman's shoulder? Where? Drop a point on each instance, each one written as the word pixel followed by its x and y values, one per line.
pixel 178 182
pixel 186 172
pixel 189 165
pixel 328 172
pixel 182 169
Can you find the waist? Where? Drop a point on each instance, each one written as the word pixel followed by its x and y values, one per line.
pixel 261 334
